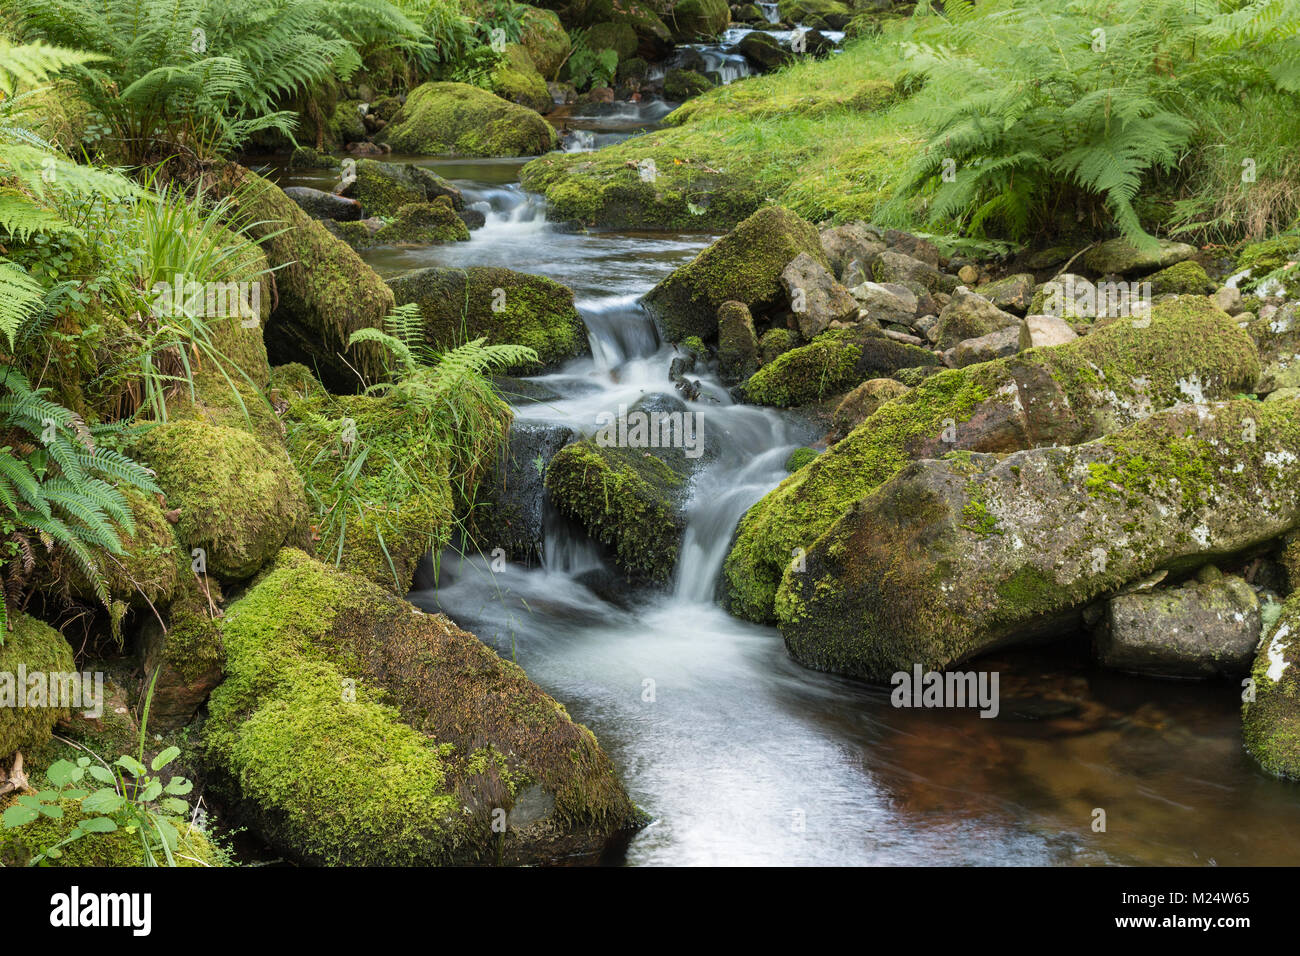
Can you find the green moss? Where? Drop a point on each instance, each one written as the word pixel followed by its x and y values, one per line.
pixel 807 374
pixel 516 79
pixel 545 39
pixel 776 342
pixel 353 729
pixel 239 501
pixel 692 19
pixel 619 37
pixel 809 501
pixel 33 646
pixel 1182 278
pixel 800 457
pixel 626 499
pixel 683 84
pixel 1265 258
pixel 458 119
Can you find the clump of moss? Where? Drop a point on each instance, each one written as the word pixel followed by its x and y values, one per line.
pixel 515 78
pixel 239 501
pixel 455 118
pixel 1182 278
pixel 1270 724
pixel 626 499
pixel 807 374
pixel 35 647
pixel 1265 258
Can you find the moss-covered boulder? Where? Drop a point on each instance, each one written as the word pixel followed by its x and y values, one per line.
pixel 354 729
pixel 422 224
pixel 187 656
pixel 1270 723
pixel 384 188
pixel 628 500
pixel 463 120
pixel 239 501
pixel 31 648
pixel 325 292
pixel 862 402
pixel 619 37
pixel 698 19
pixel 1119 257
pixel 515 78
pixel 544 37
pixel 955 556
pixel 681 85
pixel 1063 395
pixel 1260 260
pixel 800 11
pixel 146 572
pixel 506 307
pixel 744 266
pixel 830 364
pixel 968 315
pixel 738 354
pixel 380 481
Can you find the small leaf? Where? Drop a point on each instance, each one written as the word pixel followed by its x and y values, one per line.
pixel 179 786
pixel 60 773
pixel 97 825
pixel 102 801
pixel 17 816
pixel 103 774
pixel 151 792
pixel 174 805
pixel 164 758
pixel 132 766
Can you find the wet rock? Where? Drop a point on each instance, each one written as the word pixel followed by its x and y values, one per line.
pixel 509 512
pixel 1119 257
pixel 816 298
pixel 738 352
pixel 1206 628
pixel 955 556
pixel 322 205
pixel 745 266
pixel 383 188
pixel 187 658
pixel 681 85
pixel 1045 331
pixel 968 316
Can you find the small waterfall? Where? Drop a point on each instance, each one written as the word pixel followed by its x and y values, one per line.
pixel 770 11
pixel 619 329
pixel 566 549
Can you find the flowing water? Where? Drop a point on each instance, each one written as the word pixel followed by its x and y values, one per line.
pixel 739 755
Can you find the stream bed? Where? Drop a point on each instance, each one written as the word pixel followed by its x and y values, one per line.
pixel 741 756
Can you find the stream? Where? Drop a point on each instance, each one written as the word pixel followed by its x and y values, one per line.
pixel 739 755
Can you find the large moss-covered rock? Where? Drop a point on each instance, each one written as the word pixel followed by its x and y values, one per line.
pixel 422 223
pixel 239 501
pixel 380 480
pixel 459 119
pixel 1062 395
pixel 325 291
pixel 1270 723
pixel 545 39
pixel 698 19
pixel 744 266
pixel 506 307
pixel 354 729
pixel 32 647
pixel 627 499
pixel 956 556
